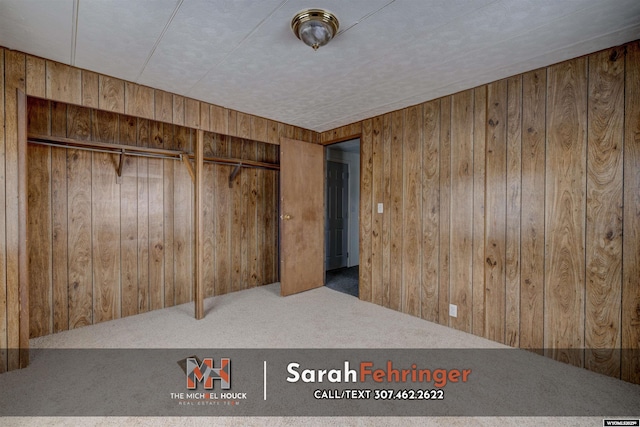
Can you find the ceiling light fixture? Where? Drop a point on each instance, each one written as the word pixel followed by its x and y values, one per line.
pixel 315 27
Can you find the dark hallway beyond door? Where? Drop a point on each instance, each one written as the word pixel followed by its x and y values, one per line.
pixel 344 280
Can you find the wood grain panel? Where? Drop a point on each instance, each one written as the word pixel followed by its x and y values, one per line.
pixel 461 286
pixel 36 77
pixel 251 208
pixel 244 125
pixel 205 117
pixel 396 211
pixel 445 210
pixel 496 203
pixel 209 229
pixel 366 172
pixel 222 220
pixel 565 211
pixel 178 110
pixel 631 244
pixel 79 239
pixel 183 234
pixel 479 185
pixel 377 192
pixel 23 254
pixel 59 250
pixel 168 225
pixel 15 73
pixel 64 83
pixel 232 124
pixel 412 219
pixel 59 221
pixel 219 118
pixel 386 200
pixel 532 228
pixel 237 212
pixel 273 136
pixel 192 113
pixel 604 212
pixel 156 233
pixel 271 217
pixel 129 230
pixel 4 310
pixel 259 129
pixel 163 106
pixel 104 126
pixel 39 233
pixel 514 208
pixel 105 234
pixel 111 95
pixel 39 226
pixel 139 101
pixel 143 299
pixel 430 210
pixel 90 89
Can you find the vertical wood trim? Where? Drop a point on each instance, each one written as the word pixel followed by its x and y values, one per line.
pixel 236 221
pixel 631 243
pixel 143 297
pixel 514 209
pixel 496 198
pixel 479 186
pixel 208 235
pixel 430 210
pixel 253 272
pixel 23 249
pixel 156 232
pixel 533 208
pixel 14 79
pixel 412 220
pixel 3 222
pixel 199 284
pixel 444 273
pixel 205 117
pixel 366 172
pixel 192 113
pixel 565 211
pixel 605 138
pixel 462 209
pixel 395 211
pixel 129 234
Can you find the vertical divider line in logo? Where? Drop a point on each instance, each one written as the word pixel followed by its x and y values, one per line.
pixel 264 394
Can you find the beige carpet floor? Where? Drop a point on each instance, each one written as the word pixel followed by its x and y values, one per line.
pixel 260 318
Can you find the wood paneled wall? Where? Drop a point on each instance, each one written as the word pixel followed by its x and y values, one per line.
pixel 519 202
pixel 103 248
pixel 155 186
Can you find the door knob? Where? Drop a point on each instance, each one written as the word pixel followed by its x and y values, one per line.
pixel 285 217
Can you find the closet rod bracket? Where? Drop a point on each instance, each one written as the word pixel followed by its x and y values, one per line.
pixel 233 175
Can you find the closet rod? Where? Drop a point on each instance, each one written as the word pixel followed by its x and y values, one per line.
pixel 131 150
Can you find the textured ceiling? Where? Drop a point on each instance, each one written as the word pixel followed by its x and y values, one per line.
pixel 241 54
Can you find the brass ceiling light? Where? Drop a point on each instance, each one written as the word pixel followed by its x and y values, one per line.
pixel 315 27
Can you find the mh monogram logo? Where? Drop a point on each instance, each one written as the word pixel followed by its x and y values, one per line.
pixel 207 373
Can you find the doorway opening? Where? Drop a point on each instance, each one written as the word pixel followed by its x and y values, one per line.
pixel 342 228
